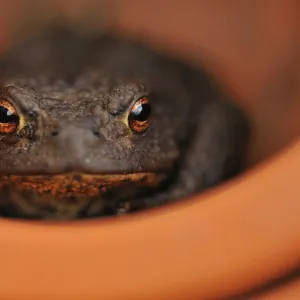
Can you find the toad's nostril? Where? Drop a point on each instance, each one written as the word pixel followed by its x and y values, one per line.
pixel 96 133
pixel 54 133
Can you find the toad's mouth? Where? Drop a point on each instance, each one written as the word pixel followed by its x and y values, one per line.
pixel 73 185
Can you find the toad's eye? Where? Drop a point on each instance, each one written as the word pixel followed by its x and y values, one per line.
pixel 139 117
pixel 9 119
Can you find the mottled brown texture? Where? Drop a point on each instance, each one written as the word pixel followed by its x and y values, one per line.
pixel 74 95
pixel 72 185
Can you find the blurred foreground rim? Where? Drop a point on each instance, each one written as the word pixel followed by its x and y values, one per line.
pixel 236 238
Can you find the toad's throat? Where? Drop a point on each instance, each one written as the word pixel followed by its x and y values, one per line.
pixel 79 185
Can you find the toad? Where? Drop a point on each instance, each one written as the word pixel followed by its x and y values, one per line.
pixel 96 126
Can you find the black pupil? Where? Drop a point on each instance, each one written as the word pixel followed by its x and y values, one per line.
pixel 141 113
pixel 6 116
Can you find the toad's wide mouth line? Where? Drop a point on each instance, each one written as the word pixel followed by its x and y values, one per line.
pixel 71 184
pixel 81 177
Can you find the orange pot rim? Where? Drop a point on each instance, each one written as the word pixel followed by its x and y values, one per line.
pixel 229 240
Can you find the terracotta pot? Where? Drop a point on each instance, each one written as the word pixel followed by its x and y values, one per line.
pixel 241 238
pixel 232 240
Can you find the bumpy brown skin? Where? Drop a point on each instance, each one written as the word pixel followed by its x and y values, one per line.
pixel 74 154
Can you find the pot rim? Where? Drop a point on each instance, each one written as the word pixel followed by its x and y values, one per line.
pixel 184 250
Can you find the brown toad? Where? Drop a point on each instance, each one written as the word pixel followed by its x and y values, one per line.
pixel 91 126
